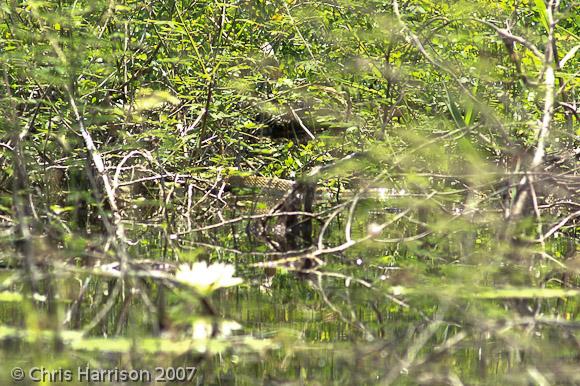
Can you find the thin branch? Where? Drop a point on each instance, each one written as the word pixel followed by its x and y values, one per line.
pixel 504 33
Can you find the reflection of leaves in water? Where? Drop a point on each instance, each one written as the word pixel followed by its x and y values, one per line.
pixel 474 292
pixel 6 296
pixel 198 343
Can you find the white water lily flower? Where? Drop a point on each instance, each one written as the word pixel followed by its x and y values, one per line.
pixel 206 279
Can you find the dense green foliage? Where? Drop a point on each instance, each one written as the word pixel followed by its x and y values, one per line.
pixel 443 136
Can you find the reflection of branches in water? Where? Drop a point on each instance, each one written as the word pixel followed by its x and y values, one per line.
pixel 408 359
pixel 100 315
pixel 353 321
pixel 136 275
pixel 73 313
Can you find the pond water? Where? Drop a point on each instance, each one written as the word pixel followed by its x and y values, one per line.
pixel 414 311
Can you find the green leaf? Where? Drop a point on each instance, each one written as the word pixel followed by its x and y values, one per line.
pixel 542 11
pixel 468 119
pixel 454 110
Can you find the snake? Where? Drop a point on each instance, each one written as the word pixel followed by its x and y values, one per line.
pixel 268 185
pixel 276 188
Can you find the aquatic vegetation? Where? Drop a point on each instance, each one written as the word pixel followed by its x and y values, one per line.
pixel 291 192
pixel 205 279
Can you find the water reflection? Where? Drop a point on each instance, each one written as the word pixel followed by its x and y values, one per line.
pixel 418 311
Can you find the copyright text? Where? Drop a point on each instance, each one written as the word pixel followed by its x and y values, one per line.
pixel 89 374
